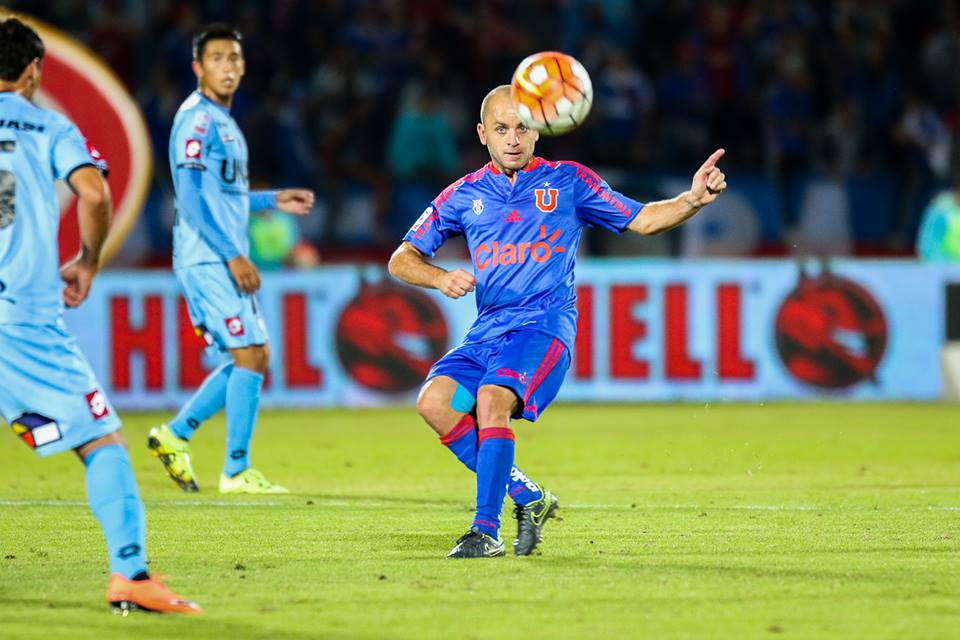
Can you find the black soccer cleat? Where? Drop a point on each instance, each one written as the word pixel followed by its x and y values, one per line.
pixel 531 518
pixel 476 544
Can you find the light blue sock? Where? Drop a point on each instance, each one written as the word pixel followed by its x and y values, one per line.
pixel 204 403
pixel 115 501
pixel 243 400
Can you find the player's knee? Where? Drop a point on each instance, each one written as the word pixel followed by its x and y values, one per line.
pixel 431 405
pixel 105 440
pixel 256 358
pixel 495 404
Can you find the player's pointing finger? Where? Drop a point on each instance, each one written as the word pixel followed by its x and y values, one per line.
pixel 713 159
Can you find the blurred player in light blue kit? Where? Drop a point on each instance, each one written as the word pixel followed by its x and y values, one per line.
pixel 48 394
pixel 208 162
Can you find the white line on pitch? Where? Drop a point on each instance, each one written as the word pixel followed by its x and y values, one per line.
pixel 164 503
pixel 348 502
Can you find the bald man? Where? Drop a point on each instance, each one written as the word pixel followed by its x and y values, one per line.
pixel 522 217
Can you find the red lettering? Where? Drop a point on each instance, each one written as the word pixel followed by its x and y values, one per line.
pixel 191 347
pixel 146 340
pixel 731 365
pixel 679 365
pixel 523 247
pixel 482 264
pixel 583 348
pixel 625 331
pixel 540 252
pixel 298 372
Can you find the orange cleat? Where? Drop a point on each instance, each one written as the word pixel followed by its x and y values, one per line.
pixel 148 595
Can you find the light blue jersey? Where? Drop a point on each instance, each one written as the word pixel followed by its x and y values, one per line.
pixel 208 161
pixel 48 393
pixel 37 147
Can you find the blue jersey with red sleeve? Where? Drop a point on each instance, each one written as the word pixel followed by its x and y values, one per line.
pixel 523 240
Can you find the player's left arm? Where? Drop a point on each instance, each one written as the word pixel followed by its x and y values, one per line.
pixel 93 215
pixel 295 201
pixel 708 183
pixel 71 161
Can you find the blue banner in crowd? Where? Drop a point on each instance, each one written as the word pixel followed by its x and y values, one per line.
pixel 649 331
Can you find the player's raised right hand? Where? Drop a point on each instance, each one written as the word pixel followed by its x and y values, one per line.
pixel 244 274
pixel 456 284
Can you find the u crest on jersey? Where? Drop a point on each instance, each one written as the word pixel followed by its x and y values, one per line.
pixel 547 199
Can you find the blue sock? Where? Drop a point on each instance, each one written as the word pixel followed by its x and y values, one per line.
pixel 462 441
pixel 115 501
pixel 494 461
pixel 204 403
pixel 522 489
pixel 243 400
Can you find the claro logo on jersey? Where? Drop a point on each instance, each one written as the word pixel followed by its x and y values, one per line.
pixel 509 253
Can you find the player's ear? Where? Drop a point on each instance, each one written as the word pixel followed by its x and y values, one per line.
pixel 481 134
pixel 197 69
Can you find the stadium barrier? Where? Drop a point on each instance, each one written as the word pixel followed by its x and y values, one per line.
pixel 649 331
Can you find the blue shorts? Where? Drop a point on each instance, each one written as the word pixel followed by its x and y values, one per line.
pixel 48 394
pixel 222 315
pixel 531 363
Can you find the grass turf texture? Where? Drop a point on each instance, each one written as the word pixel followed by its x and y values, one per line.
pixel 679 521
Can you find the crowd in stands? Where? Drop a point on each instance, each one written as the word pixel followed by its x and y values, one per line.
pixel 373 102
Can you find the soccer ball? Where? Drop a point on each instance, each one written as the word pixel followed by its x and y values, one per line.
pixel 552 91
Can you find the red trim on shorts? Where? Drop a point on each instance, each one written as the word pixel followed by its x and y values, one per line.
pixel 499 433
pixel 546 366
pixel 462 428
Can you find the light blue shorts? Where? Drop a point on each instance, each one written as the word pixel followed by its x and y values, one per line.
pixel 48 393
pixel 223 315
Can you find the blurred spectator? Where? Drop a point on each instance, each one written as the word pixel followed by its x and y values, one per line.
pixel 421 145
pixel 624 101
pixel 788 111
pixel 924 143
pixel 939 236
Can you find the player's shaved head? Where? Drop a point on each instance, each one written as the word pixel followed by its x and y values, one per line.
pixel 500 129
pixel 491 99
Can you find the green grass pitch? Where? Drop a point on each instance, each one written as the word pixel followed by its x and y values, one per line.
pixel 731 521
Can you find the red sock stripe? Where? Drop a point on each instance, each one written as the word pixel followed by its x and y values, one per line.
pixel 546 366
pixel 465 426
pixel 502 433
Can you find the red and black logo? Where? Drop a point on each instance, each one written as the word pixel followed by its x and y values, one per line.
pixel 831 332
pixel 388 337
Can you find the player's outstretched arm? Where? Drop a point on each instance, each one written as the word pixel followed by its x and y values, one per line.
pixel 93 214
pixel 708 183
pixel 409 265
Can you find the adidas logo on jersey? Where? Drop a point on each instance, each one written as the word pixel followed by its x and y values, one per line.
pixel 513 216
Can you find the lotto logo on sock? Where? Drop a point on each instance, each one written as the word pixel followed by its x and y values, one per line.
pixel 234 326
pixel 97 402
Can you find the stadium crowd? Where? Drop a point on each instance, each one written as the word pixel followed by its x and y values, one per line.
pixel 372 102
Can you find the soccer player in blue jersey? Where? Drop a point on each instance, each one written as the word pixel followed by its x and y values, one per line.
pixel 48 394
pixel 521 216
pixel 208 162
